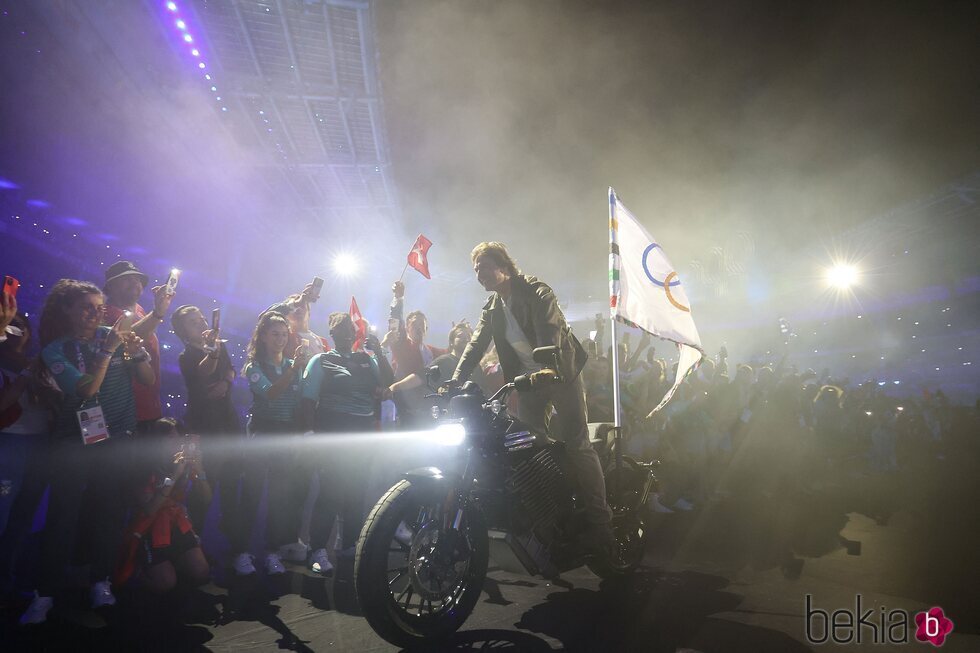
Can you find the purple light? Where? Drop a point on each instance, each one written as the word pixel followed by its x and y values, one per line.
pixel 207 77
pixel 6 184
pixel 188 38
pixel 172 6
pixel 74 222
pixel 38 204
pixel 181 24
pixel 201 65
pixel 214 88
pixel 196 52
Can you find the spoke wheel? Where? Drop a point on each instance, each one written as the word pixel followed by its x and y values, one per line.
pixel 417 580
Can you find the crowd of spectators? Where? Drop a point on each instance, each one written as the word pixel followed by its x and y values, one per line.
pixel 82 419
pixel 759 430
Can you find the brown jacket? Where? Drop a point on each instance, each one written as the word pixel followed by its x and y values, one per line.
pixel 536 311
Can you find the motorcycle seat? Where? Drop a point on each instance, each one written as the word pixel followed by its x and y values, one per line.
pixel 601 435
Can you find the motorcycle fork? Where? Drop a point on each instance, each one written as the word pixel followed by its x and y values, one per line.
pixel 455 499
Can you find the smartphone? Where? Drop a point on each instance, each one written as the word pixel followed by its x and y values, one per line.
pixel 126 322
pixel 216 319
pixel 10 286
pixel 172 281
pixel 317 287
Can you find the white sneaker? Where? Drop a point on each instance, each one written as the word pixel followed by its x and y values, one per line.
pixel 37 611
pixel 102 594
pixel 273 565
pixel 295 552
pixel 320 563
pixel 243 564
pixel 404 535
pixel 656 506
pixel 683 504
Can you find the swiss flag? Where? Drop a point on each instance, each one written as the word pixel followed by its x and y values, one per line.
pixel 418 258
pixel 360 325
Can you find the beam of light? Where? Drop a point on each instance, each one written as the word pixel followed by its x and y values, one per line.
pixel 172 6
pixel 346 264
pixel 437 439
pixel 842 276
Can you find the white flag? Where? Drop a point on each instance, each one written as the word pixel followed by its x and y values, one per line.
pixel 645 292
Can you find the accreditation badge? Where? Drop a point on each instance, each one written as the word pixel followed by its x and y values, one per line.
pixel 91 421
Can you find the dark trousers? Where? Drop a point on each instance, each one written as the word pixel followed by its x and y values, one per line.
pixel 222 458
pixel 25 502
pixel 570 426
pixel 90 487
pixel 343 469
pixel 271 460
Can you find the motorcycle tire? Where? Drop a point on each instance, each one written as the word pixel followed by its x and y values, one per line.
pixel 372 581
pixel 627 524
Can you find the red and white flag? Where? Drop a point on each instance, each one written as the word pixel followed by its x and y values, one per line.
pixel 418 258
pixel 360 325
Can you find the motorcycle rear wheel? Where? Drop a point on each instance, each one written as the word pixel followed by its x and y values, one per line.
pixel 417 586
pixel 624 488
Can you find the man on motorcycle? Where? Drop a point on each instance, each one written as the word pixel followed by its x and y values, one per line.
pixel 521 315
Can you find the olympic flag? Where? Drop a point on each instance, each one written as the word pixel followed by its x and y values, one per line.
pixel 645 292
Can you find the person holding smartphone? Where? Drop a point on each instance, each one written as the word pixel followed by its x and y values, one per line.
pixel 124 285
pixel 161 545
pixel 274 380
pixel 25 407
pixel 208 375
pixel 94 367
pixel 296 309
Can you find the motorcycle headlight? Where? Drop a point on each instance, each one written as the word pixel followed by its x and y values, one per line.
pixel 450 435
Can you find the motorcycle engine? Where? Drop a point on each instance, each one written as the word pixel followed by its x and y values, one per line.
pixel 537 493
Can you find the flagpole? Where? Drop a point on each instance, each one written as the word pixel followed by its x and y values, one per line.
pixel 617 407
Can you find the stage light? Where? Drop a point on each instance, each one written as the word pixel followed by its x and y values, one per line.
pixel 842 276
pixel 172 6
pixel 188 38
pixel 345 264
pixel 181 24
pixel 201 65
pixel 196 52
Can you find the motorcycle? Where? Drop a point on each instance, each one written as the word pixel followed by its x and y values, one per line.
pixel 423 552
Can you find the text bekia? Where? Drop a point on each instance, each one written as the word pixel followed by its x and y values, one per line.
pixel 845 626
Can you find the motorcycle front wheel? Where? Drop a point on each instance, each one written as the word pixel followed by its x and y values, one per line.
pixel 417 578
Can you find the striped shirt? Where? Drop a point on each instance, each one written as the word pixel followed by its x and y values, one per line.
pixel 279 411
pixel 70 360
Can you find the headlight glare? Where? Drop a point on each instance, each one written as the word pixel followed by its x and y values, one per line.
pixel 450 435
